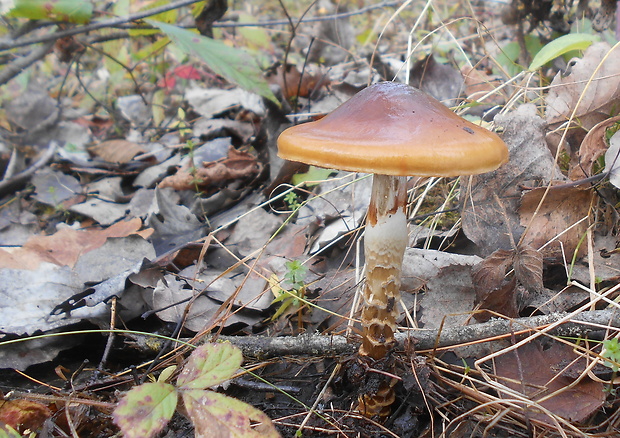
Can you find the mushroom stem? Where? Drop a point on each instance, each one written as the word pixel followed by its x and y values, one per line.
pixel 385 240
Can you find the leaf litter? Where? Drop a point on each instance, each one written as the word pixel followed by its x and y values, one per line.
pixel 174 224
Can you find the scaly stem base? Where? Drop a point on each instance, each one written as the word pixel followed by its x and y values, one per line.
pixel 385 240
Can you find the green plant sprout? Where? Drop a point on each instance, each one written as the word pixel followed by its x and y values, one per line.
pixel 146 409
pixel 182 124
pixel 611 351
pixel 292 201
pixel 196 181
pixel 294 295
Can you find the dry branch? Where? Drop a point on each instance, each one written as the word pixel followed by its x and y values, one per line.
pixel 263 347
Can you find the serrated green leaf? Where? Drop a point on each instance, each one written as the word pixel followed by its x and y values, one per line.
pixel 215 414
pixel 146 409
pixel 560 46
pixel 236 65
pixel 209 365
pixel 72 11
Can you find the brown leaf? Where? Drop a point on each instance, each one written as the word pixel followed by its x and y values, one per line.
pixel 563 207
pixel 568 91
pixel 116 151
pixel 528 266
pixel 592 147
pixel 493 291
pixel 489 274
pixel 531 370
pixel 293 84
pixel 237 165
pixel 64 247
pixel 502 300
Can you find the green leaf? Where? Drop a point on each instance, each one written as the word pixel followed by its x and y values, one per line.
pixel 166 373
pixel 236 65
pixel 256 37
pixel 73 11
pixel 209 365
pixel 7 431
pixel 215 414
pixel 560 46
pixel 312 177
pixel 146 409
pixel 168 17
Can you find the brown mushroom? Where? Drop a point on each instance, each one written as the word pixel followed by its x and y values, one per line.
pixel 393 131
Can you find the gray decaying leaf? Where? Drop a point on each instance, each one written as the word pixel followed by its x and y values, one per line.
pixel 174 225
pixel 612 160
pixel 172 295
pixel 441 81
pixel 103 212
pixel 32 108
pixel 53 187
pixel 134 109
pixel 29 297
pixel 16 224
pixel 209 102
pixel 440 284
pixel 337 211
pixel 491 201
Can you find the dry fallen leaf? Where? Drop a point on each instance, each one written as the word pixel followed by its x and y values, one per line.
pixel 592 147
pixel 237 165
pixel 496 288
pixel 23 414
pixel 65 247
pixel 533 373
pixel 117 151
pixel 491 201
pixel 562 208
pixel 575 88
pixel 441 81
pixel 479 84
pixel 494 291
pixel 528 266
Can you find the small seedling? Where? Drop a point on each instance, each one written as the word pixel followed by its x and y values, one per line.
pixel 146 409
pixel 611 351
pixel 296 274
pixel 181 124
pixel 296 287
pixel 292 200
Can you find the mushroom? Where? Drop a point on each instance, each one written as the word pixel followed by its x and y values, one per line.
pixel 391 130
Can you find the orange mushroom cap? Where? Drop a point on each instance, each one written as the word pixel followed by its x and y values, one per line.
pixel 394 129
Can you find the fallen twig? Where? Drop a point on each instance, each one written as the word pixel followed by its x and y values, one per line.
pixel 263 347
pixel 18 65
